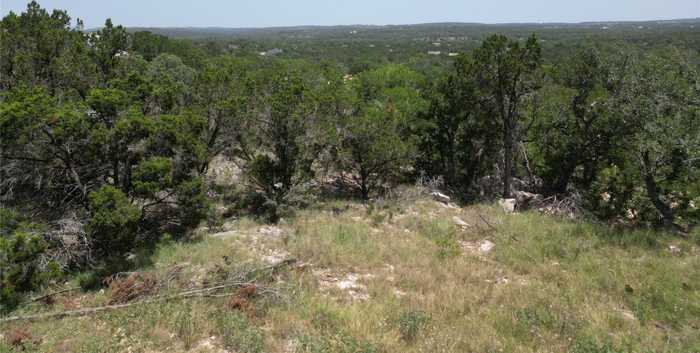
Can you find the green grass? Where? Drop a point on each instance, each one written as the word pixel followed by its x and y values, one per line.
pixel 549 285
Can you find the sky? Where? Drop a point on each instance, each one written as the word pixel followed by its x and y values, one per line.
pixel 267 13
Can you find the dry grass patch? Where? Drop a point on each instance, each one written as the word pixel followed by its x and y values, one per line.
pixel 411 277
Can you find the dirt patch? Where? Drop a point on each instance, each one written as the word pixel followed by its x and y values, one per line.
pixel 271 231
pixel 275 256
pixel 350 284
pixel 481 247
pixel 209 345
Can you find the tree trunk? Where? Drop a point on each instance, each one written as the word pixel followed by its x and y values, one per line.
pixel 653 194
pixel 507 157
pixel 364 188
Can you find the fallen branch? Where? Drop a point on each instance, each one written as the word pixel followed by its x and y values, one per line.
pixel 88 311
pixel 39 298
pixel 487 223
pixel 197 293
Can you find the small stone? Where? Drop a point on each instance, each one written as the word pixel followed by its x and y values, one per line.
pixel 628 315
pixel 508 205
pixel 224 235
pixel 399 293
pixel 271 231
pixel 486 246
pixel 674 249
pixel 524 199
pixel 460 222
pixel 438 196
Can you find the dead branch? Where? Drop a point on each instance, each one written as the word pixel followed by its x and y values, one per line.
pixel 197 293
pixel 42 297
pixel 487 223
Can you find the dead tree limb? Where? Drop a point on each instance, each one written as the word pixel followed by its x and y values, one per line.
pixel 196 293
pixel 42 297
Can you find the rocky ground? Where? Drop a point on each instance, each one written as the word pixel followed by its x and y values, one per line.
pixel 414 275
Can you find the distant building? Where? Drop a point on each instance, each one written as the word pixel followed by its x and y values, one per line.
pixel 453 54
pixel 272 52
pixel 434 52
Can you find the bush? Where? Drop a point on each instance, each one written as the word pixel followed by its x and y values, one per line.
pixel 89 280
pixel 21 248
pixel 114 221
pixel 192 201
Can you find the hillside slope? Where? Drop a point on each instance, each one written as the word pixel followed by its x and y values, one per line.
pixel 410 275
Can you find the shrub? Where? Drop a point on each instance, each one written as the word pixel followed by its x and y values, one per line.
pixel 411 322
pixel 89 280
pixel 21 248
pixel 114 221
pixel 192 201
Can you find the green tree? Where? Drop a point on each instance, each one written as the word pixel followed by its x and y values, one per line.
pixel 578 130
pixel 108 45
pixel 506 73
pixel 223 93
pixel 38 48
pixel 172 83
pixel 375 140
pixel 459 139
pixel 660 102
pixel 279 147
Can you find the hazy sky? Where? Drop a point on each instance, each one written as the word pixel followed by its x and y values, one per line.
pixel 262 13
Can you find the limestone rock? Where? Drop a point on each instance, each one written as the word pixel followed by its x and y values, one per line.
pixel 508 205
pixel 460 222
pixel 438 196
pixel 524 199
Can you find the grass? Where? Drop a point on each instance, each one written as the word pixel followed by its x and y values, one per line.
pixel 549 285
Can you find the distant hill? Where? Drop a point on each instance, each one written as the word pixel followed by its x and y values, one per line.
pixel 428 29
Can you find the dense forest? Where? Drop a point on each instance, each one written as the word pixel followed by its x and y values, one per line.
pixel 108 136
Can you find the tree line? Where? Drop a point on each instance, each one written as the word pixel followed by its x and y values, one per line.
pixel 119 130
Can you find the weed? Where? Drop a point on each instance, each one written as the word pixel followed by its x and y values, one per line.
pixel 444 235
pixel 588 345
pixel 334 343
pixel 411 322
pixel 238 334
pixel 186 328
